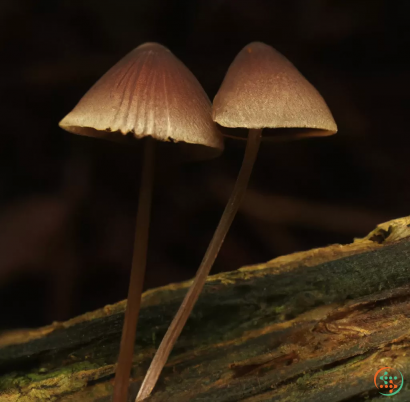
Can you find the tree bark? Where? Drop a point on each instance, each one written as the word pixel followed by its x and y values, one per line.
pixel 311 326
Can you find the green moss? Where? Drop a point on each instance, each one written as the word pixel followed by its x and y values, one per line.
pixel 15 380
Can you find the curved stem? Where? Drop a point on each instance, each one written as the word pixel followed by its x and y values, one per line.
pixel 191 297
pixel 137 275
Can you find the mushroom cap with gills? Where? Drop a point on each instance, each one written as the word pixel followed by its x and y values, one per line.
pixel 263 89
pixel 147 93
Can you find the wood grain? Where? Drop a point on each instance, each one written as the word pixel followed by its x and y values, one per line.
pixel 310 326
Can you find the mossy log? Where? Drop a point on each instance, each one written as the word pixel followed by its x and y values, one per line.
pixel 311 326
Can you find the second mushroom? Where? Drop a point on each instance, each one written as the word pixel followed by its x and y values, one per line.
pixel 261 90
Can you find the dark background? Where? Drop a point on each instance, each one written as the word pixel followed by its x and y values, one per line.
pixel 68 203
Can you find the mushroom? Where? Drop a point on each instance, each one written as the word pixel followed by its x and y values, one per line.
pixel 148 94
pixel 261 90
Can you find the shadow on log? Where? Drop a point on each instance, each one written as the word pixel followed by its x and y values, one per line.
pixel 312 326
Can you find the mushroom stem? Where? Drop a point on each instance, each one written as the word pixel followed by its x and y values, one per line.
pixel 191 297
pixel 137 275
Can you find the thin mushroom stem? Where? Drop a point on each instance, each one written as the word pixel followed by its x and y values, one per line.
pixel 137 275
pixel 191 297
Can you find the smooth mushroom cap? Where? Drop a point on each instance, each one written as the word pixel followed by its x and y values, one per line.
pixel 147 93
pixel 263 89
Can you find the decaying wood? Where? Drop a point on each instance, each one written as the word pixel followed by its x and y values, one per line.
pixel 311 326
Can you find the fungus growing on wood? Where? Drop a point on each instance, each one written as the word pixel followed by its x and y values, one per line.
pixel 264 93
pixel 149 95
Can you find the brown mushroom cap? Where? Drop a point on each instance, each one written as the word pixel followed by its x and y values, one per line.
pixel 263 89
pixel 147 93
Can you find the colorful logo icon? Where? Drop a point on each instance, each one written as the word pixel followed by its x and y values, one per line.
pixel 389 381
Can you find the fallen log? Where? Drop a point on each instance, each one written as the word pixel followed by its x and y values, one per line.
pixel 311 326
